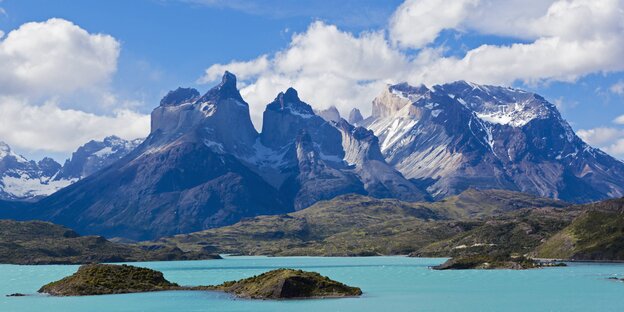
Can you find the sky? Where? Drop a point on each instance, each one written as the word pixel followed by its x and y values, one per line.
pixel 73 71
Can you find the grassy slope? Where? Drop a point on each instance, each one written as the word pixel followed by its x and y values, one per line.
pixel 596 234
pixel 103 279
pixel 36 242
pixel 287 283
pixel 488 262
pixel 473 203
pixel 358 225
pixel 516 233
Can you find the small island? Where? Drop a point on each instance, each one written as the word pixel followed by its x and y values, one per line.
pixel 105 279
pixel 288 283
pixel 492 262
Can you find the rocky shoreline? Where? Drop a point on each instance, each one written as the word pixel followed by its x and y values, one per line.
pixel 494 262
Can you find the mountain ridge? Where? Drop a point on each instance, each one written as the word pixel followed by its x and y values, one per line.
pixel 204 165
pixel 454 136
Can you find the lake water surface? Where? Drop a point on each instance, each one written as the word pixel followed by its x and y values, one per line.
pixel 389 283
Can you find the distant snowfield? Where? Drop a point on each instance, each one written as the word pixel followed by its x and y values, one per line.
pixel 26 187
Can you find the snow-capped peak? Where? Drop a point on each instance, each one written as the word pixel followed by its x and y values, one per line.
pixel 499 105
pixel 5 150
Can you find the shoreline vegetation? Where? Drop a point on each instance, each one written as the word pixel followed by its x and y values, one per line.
pixel 495 262
pixel 107 279
pixel 37 242
pixel 474 223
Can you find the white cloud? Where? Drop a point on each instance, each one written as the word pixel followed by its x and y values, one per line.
pixel 61 65
pixel 619 120
pixel 618 87
pixel 417 23
pixel 543 60
pixel 55 57
pixel 616 149
pixel 558 40
pixel 572 39
pixel 506 18
pixel 610 140
pixel 47 127
pixel 243 70
pixel 600 136
pixel 326 65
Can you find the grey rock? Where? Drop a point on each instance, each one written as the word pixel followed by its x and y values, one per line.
pixel 355 117
pixel 180 96
pixel 316 180
pixel 380 179
pixel 186 176
pixel 329 114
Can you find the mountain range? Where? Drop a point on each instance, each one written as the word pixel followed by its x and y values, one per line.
pixel 22 179
pixel 204 165
pixel 460 135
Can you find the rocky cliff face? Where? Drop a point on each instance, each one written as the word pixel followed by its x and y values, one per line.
pixel 204 165
pixel 316 179
pixel 314 160
pixel 462 135
pixel 380 179
pixel 329 114
pixel 186 176
pixel 355 117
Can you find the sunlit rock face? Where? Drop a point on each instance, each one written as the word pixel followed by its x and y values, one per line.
pixel 460 135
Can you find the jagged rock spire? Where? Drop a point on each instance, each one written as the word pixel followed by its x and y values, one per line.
pixel 329 114
pixel 224 90
pixel 355 116
pixel 289 102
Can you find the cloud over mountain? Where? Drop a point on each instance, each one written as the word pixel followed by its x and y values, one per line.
pixel 557 41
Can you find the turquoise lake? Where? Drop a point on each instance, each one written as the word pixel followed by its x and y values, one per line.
pixel 389 284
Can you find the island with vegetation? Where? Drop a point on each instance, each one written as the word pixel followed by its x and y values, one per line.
pixel 106 279
pixel 492 262
pixel 288 283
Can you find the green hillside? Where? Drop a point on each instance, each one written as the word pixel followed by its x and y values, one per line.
pixel 358 225
pixel 36 242
pixel 596 234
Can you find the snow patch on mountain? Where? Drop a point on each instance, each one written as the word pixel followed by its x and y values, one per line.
pixel 461 134
pixel 25 187
pixel 22 179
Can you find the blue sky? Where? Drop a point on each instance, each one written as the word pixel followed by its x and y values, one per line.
pixel 156 45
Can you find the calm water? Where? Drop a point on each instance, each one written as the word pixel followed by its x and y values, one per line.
pixel 389 284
